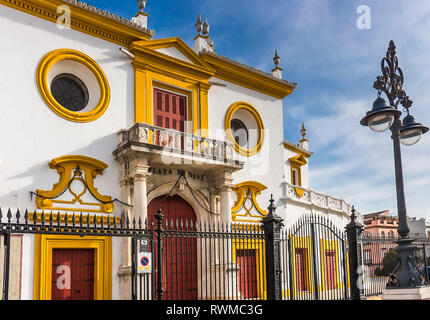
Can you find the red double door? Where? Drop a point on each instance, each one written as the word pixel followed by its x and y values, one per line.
pixel 170 110
pixel 330 269
pixel 72 274
pixel 247 261
pixel 179 253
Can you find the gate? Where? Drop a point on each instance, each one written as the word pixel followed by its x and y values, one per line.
pixel 314 260
pixel 179 259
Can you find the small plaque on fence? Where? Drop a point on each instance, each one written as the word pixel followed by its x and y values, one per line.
pixel 143 245
pixel 144 262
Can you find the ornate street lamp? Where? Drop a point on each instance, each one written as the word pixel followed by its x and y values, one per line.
pixel 386 115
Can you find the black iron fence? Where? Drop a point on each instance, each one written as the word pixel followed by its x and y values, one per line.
pixel 378 261
pixel 204 261
pixel 184 260
pixel 314 261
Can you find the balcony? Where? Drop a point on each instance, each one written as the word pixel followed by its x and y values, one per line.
pixel 175 147
pixel 313 198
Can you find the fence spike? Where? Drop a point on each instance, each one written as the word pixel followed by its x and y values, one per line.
pixel 140 223
pixel 102 221
pixel 1 215
pixel 66 219
pixel 42 216
pixel 9 216
pixel 134 222
pixel 51 219
pixel 18 215
pixel 58 218
pixel 25 216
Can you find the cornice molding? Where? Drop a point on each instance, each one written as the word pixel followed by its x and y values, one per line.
pixel 248 77
pixel 295 148
pixel 86 19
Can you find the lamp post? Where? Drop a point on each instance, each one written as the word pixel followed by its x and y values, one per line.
pixel 385 116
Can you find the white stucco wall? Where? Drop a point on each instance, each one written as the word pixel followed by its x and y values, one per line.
pixel 267 166
pixel 31 134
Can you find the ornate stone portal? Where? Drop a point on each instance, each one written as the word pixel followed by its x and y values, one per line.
pixel 202 176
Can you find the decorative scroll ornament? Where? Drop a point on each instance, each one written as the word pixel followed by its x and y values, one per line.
pixel 77 174
pixel 246 208
pixel 391 81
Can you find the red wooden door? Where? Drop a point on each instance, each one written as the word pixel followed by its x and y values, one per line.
pixel 300 270
pixel 72 274
pixel 169 110
pixel 179 253
pixel 330 269
pixel 246 260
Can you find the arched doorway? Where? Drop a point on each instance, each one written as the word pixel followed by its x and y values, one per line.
pixel 179 248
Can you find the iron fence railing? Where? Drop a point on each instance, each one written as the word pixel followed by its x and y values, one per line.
pixel 378 260
pixel 312 259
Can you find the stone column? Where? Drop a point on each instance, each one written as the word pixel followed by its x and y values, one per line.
pixel 138 173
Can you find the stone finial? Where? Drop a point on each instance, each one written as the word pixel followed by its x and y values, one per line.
pixel 206 27
pixel 199 24
pixel 277 71
pixel 303 131
pixel 141 4
pixel 276 59
pixel 141 18
pixel 304 143
pixel 202 42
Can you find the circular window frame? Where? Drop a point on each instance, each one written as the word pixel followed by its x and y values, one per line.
pixel 58 55
pixel 227 124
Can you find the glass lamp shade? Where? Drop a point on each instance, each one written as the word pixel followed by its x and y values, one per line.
pixel 381 117
pixel 410 137
pixel 380 122
pixel 411 131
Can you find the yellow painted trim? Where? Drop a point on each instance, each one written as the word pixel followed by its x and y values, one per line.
pixel 44 245
pixel 303 243
pixel 227 125
pixel 247 77
pixel 298 168
pixel 298 150
pixel 299 192
pixel 81 20
pixel 260 256
pixel 70 218
pixel 255 188
pixel 296 163
pixel 329 245
pixel 196 61
pixel 156 69
pixel 51 59
pixel 65 166
pixel 144 108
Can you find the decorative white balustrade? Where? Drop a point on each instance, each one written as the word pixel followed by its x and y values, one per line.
pixel 172 141
pixel 317 199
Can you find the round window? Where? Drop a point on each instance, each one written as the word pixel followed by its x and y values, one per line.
pixel 244 127
pixel 240 132
pixel 70 92
pixel 73 85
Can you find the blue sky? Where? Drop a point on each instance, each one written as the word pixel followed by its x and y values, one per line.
pixel 335 64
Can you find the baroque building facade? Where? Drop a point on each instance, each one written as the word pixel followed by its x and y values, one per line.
pixel 101 116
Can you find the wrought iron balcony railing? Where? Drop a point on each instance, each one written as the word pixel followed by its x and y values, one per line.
pixel 179 143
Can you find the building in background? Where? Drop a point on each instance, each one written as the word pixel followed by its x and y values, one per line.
pixel 381 223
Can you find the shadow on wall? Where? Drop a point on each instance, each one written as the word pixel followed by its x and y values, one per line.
pixel 42 177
